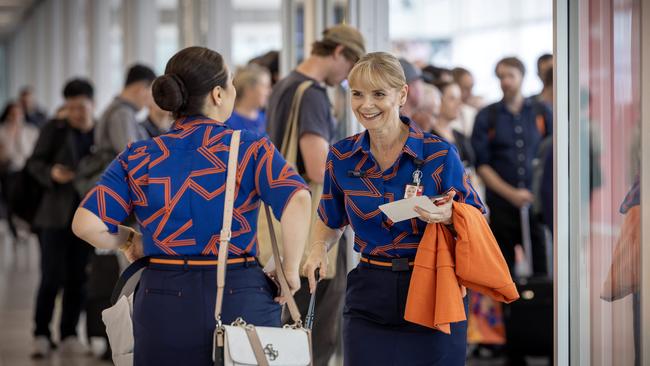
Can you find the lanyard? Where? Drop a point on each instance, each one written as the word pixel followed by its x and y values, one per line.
pixel 415 188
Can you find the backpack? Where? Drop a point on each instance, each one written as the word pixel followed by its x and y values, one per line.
pixel 90 169
pixel 92 166
pixel 24 195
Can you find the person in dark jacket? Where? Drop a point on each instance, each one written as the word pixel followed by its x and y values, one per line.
pixel 59 149
pixel 506 140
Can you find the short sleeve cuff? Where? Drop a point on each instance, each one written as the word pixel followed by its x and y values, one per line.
pixel 333 221
pixel 103 202
pixel 282 199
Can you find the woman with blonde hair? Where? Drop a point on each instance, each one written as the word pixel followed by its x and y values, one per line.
pixel 253 85
pixel 392 159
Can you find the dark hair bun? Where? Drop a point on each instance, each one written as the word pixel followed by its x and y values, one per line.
pixel 169 92
pixel 189 76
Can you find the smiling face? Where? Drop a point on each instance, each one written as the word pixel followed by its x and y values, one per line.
pixel 378 88
pixel 377 107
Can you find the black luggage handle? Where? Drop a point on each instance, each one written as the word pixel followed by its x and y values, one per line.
pixel 309 319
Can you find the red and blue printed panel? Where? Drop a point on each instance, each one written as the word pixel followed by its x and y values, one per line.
pixel 175 183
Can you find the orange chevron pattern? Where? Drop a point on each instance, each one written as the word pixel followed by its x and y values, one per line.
pixel 354 198
pixel 175 185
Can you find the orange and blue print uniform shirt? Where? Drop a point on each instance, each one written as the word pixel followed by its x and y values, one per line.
pixel 175 186
pixel 355 186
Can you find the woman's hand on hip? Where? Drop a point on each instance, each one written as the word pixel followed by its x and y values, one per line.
pixel 317 259
pixel 443 216
pixel 136 250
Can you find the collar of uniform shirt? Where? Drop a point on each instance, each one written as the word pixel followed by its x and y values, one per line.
pixel 191 121
pixel 412 147
pixel 503 106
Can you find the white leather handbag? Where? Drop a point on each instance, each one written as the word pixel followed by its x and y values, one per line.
pixel 119 328
pixel 279 346
pixel 118 318
pixel 245 344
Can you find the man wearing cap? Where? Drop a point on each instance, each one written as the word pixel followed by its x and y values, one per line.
pixel 330 61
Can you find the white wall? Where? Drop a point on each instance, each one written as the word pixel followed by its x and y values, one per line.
pixel 62 39
pixel 93 35
pixel 98 39
pixel 479 33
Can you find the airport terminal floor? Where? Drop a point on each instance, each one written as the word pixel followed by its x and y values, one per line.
pixel 19 276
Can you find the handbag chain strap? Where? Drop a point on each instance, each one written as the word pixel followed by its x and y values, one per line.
pixel 224 241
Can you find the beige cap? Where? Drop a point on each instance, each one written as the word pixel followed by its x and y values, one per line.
pixel 347 36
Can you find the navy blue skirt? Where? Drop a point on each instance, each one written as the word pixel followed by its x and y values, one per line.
pixel 374 329
pixel 173 315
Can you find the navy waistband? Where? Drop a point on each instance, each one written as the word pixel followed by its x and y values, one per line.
pixel 198 262
pixel 130 277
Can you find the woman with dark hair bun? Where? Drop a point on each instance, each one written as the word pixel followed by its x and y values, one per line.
pixel 175 186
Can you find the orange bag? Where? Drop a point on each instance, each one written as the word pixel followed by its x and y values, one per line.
pixel 624 272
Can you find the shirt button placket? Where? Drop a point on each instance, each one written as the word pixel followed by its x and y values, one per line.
pixel 379 184
pixel 521 153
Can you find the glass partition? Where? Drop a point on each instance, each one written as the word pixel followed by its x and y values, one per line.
pixel 605 205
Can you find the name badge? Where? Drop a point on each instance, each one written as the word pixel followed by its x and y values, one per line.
pixel 413 191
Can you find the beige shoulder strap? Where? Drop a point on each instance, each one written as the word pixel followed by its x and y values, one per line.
pixel 224 238
pixel 279 271
pixel 289 147
pixel 256 344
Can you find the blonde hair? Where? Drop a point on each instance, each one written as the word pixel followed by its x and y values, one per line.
pixel 248 76
pixel 378 70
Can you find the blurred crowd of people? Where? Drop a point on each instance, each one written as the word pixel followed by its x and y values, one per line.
pixel 501 145
pixel 506 148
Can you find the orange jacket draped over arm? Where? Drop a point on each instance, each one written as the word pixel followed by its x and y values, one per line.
pixel 444 264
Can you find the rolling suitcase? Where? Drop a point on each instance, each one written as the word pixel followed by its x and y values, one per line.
pixel 529 320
